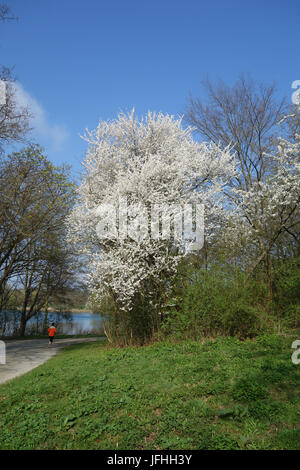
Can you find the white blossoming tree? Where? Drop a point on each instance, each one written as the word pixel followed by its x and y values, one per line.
pixel 264 219
pixel 131 167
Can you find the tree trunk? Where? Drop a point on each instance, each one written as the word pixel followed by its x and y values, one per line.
pixel 45 323
pixel 23 324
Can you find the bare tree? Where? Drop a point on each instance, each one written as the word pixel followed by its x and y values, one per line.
pixel 14 118
pixel 249 117
pixel 6 13
pixel 243 116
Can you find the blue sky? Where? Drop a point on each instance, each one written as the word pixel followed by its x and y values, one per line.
pixel 78 61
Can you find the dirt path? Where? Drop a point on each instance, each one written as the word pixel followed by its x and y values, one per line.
pixel 24 355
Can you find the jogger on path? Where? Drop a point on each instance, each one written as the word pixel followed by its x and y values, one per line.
pixel 52 331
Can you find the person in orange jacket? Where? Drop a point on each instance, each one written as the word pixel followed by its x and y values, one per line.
pixel 52 331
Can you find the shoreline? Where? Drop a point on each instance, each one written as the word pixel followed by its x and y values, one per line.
pixel 54 310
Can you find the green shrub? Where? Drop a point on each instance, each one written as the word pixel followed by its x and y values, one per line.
pixel 242 321
pixel 216 302
pixel 290 317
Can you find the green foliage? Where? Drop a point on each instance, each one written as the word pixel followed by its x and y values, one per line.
pixel 123 328
pixel 216 302
pixel 242 321
pixel 286 281
pixel 37 197
pixel 291 316
pixel 223 301
pixel 286 286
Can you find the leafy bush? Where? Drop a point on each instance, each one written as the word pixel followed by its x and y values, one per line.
pixel 216 302
pixel 286 288
pixel 291 316
pixel 242 321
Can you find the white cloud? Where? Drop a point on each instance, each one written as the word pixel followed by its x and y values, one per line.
pixel 54 134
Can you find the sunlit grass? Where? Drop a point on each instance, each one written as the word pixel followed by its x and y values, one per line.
pixel 223 394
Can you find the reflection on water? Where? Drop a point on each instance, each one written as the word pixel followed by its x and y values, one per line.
pixel 66 323
pixel 78 323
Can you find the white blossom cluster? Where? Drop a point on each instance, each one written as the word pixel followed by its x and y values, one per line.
pixel 149 161
pixel 265 211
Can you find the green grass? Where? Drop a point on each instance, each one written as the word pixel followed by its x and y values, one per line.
pixel 222 394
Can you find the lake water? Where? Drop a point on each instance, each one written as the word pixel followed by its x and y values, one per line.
pixel 79 323
pixel 67 323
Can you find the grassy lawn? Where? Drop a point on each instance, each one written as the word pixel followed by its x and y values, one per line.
pixel 222 394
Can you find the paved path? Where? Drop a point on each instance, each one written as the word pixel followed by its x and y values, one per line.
pixel 24 355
